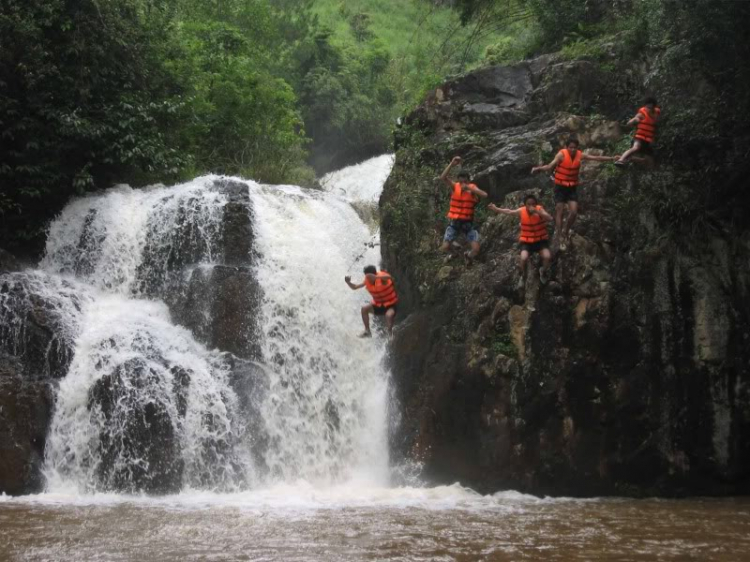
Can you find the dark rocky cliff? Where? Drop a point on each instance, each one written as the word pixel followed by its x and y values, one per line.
pixel 629 373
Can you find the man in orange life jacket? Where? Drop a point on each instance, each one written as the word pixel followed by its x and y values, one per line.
pixel 645 120
pixel 533 237
pixel 464 198
pixel 567 165
pixel 384 298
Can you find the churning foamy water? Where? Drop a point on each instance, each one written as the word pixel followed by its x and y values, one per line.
pixel 144 406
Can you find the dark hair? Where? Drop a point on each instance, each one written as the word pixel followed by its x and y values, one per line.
pixel 530 196
pixel 573 140
pixel 650 99
pixel 464 175
pixel 371 269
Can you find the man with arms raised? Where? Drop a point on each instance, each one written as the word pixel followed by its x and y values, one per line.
pixel 464 197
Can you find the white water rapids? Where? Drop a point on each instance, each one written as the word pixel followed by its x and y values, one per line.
pixel 144 406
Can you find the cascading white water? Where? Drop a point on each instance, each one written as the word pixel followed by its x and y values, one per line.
pixel 145 407
pixel 325 409
pixel 125 239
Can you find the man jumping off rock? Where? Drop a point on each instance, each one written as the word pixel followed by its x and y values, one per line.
pixel 645 120
pixel 384 298
pixel 534 236
pixel 567 165
pixel 464 197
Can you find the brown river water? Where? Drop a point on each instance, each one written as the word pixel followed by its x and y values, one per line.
pixel 304 524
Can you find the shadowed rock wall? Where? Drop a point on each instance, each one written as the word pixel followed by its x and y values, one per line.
pixel 629 373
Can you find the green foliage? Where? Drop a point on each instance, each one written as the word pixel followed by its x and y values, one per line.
pixel 83 101
pixel 582 49
pixel 503 345
pixel 237 117
pixel 425 41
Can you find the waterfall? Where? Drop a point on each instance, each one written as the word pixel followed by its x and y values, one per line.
pixel 326 400
pixel 145 402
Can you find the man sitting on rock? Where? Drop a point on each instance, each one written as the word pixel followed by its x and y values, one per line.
pixel 534 236
pixel 567 165
pixel 384 298
pixel 464 197
pixel 645 120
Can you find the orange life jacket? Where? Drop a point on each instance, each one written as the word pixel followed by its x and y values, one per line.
pixel 462 203
pixel 533 227
pixel 646 130
pixel 382 290
pixel 566 173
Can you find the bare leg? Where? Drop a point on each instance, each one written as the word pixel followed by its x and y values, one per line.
pixel 366 310
pixel 629 152
pixel 445 246
pixel 390 318
pixel 546 259
pixel 522 268
pixel 544 270
pixel 522 263
pixel 559 208
pixel 572 214
pixel 474 250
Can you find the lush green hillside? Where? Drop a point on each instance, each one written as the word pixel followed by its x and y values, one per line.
pixel 426 40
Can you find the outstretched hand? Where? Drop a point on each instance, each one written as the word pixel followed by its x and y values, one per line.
pixel 535 169
pixel 348 278
pixel 455 161
pixel 493 207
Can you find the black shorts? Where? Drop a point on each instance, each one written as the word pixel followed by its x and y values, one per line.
pixel 564 194
pixel 535 247
pixel 381 310
pixel 646 148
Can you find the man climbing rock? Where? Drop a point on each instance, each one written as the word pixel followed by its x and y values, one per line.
pixel 464 198
pixel 384 298
pixel 533 237
pixel 645 120
pixel 567 165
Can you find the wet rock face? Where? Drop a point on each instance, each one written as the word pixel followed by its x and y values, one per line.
pixel 35 351
pixel 8 262
pixel 25 413
pixel 628 373
pixel 138 443
pixel 218 303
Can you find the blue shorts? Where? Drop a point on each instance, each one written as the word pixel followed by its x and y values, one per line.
pixel 457 227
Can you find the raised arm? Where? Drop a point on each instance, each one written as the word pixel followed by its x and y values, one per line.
pixel 352 286
pixel 498 210
pixel 444 176
pixel 555 161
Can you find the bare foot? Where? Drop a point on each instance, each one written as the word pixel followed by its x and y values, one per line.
pixel 365 334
